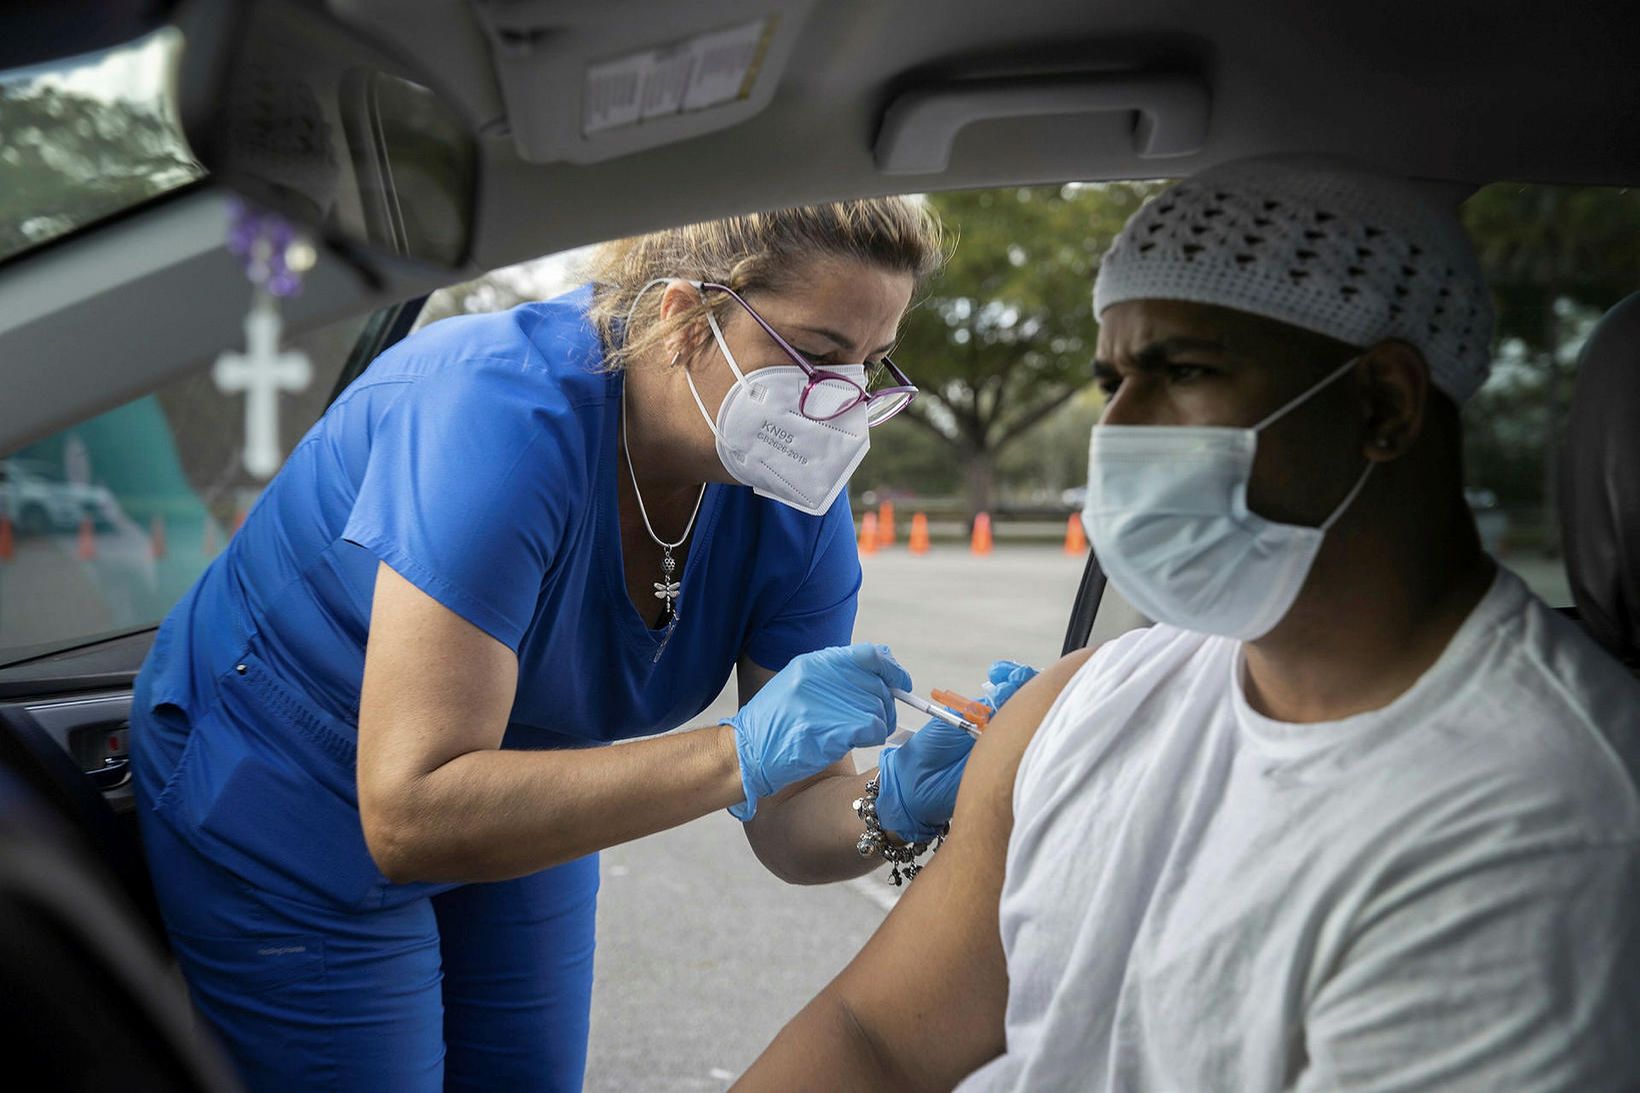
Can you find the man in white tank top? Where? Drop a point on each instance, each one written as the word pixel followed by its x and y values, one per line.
pixel 1359 811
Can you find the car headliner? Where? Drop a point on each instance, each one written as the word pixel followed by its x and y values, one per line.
pixel 1455 93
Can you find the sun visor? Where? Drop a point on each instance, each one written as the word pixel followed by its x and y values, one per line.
pixel 582 87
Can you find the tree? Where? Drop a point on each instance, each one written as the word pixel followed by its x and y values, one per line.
pixel 68 159
pixel 1006 333
pixel 1056 459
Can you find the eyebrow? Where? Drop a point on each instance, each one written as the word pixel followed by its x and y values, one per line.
pixel 1158 353
pixel 842 341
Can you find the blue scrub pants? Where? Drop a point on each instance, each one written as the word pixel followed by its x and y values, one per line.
pixel 482 986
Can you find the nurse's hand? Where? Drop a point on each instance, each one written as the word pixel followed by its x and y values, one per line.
pixel 917 781
pixel 812 713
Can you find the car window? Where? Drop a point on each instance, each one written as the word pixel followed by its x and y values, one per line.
pixel 1556 258
pixel 536 279
pixel 89 137
pixel 104 525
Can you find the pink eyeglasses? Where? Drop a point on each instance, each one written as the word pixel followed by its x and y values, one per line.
pixel 830 394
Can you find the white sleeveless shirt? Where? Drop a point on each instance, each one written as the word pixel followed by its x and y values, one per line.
pixel 1442 893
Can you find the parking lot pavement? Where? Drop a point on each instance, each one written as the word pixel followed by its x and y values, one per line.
pixel 702 954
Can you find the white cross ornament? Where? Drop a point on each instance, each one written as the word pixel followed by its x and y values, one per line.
pixel 262 372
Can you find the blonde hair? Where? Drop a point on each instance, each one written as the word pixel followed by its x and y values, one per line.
pixel 759 251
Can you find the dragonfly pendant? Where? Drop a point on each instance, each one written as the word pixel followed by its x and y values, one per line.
pixel 666 589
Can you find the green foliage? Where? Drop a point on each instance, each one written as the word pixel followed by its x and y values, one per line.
pixel 1005 335
pixel 69 159
pixel 907 459
pixel 1056 458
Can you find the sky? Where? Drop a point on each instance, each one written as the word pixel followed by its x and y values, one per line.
pixel 138 71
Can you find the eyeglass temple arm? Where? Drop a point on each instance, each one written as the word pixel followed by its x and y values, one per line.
pixel 785 346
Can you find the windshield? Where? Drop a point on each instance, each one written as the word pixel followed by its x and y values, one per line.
pixel 88 137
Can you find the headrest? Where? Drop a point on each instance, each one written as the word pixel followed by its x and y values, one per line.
pixel 1600 482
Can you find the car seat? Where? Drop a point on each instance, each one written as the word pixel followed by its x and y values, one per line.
pixel 1600 483
pixel 32 757
pixel 90 1002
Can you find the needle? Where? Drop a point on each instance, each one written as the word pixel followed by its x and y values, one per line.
pixel 939 712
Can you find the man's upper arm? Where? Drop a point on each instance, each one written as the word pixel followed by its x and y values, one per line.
pixel 931 986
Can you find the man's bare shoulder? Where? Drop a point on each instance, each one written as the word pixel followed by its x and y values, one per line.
pixel 989 780
pixel 924 1003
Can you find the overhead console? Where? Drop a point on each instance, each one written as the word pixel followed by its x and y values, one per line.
pixel 578 90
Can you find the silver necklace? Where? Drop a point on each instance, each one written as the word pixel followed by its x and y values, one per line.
pixel 666 589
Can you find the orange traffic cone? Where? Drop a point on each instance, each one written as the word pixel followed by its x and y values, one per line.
pixel 156 536
pixel 919 534
pixel 981 542
pixel 868 533
pixel 87 547
pixel 885 524
pixel 8 544
pixel 238 521
pixel 1076 540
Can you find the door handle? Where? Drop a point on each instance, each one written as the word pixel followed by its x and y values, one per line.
pixel 113 774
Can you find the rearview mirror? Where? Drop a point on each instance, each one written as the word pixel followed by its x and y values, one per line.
pixel 302 115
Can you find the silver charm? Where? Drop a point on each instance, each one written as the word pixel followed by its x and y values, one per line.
pixel 666 589
pixel 875 841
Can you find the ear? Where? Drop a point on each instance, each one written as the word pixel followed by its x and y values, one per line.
pixel 1394 398
pixel 678 299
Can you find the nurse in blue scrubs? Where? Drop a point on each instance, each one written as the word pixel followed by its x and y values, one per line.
pixel 371 754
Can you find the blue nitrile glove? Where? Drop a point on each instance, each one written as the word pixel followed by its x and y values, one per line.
pixel 811 714
pixel 917 781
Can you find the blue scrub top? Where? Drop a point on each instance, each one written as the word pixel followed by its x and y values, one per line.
pixel 477 458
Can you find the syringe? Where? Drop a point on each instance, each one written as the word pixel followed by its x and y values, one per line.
pixel 932 710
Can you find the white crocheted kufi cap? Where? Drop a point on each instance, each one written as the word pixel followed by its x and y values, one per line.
pixel 1357 256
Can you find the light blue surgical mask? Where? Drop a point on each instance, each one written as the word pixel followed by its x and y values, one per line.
pixel 1167 515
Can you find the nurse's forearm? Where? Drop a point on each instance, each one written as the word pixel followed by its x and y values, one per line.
pixel 491 814
pixel 808 836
